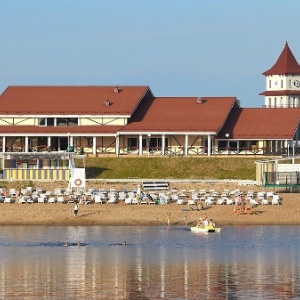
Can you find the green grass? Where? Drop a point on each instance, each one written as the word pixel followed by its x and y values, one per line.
pixel 171 168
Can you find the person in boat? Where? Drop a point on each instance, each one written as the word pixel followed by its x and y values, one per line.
pixel 211 223
pixel 200 223
pixel 205 221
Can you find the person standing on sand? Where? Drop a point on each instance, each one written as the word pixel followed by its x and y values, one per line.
pixel 76 209
pixel 169 219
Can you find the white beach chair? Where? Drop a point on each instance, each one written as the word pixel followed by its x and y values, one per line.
pixel 275 200
pixel 51 199
pixel 7 200
pixel 22 200
pixel 128 200
pixel 42 198
pixel 265 201
pixel 220 201
pixel 98 199
pixel 180 201
pixel 229 201
pixel 191 202
pixel 209 200
pixel 60 199
pixel 253 202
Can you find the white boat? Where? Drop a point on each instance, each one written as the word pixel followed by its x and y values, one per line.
pixel 208 228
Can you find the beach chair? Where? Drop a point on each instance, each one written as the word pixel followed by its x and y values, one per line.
pixel 7 199
pixel 42 198
pixel 128 200
pixel 144 200
pixel 253 202
pixel 209 200
pixel 51 199
pixel 275 200
pixel 112 199
pixel 98 199
pixel 30 200
pixel 22 200
pixel 265 201
pixel 191 202
pixel 122 195
pixel 60 199
pixel 229 201
pixel 220 201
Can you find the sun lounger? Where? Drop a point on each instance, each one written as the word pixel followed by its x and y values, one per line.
pixel 7 200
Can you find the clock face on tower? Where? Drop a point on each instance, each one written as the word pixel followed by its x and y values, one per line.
pixel 296 83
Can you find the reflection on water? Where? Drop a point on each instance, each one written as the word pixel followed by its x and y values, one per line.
pixel 157 263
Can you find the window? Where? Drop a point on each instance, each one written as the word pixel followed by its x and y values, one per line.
pixel 42 122
pixel 281 83
pixel 46 121
pixel 67 121
pixel 132 143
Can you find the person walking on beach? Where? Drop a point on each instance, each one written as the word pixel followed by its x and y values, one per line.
pixel 76 209
pixel 169 219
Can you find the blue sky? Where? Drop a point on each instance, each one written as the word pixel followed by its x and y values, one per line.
pixel 178 48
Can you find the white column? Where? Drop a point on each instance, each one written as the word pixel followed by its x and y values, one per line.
pixel 71 141
pixel 49 142
pixel 3 143
pixel 94 145
pixel 186 143
pixel 163 144
pixel 26 143
pixel 117 145
pixel 140 144
pixel 208 145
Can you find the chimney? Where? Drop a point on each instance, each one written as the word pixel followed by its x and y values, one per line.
pixel 107 103
pixel 200 100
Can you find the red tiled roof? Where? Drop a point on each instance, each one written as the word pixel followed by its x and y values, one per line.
pixel 259 123
pixel 280 93
pixel 71 100
pixel 286 63
pixel 11 129
pixel 178 114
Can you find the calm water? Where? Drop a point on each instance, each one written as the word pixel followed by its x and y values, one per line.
pixel 157 263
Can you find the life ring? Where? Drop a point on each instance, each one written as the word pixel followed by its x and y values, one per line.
pixel 248 210
pixel 78 182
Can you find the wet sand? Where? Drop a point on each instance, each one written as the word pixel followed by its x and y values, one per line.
pixel 287 213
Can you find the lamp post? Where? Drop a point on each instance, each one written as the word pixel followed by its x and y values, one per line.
pixel 227 144
pixel 149 136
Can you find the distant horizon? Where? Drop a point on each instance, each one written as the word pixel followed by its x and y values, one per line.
pixel 192 49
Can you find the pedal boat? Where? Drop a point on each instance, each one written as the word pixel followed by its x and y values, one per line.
pixel 205 229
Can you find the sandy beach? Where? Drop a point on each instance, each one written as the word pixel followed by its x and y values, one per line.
pixel 148 215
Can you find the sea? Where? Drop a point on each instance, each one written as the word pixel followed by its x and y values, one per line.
pixel 156 262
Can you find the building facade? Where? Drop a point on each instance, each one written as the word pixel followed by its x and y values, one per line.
pixel 131 120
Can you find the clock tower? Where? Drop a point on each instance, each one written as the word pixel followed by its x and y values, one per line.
pixel 283 81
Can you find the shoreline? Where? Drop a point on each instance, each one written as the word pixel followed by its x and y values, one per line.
pixel 58 214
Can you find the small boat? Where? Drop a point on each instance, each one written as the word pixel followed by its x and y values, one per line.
pixel 207 228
